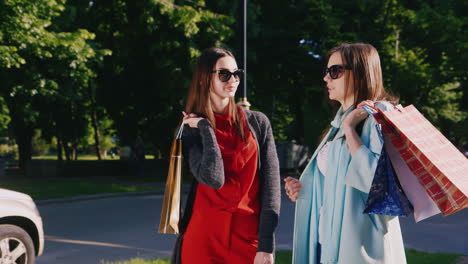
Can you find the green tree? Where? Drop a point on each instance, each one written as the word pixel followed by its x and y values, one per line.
pixel 154 43
pixel 42 67
pixel 422 46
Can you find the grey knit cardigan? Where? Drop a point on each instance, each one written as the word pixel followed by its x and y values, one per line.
pixel 204 158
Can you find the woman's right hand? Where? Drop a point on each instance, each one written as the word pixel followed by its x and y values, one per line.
pixel 293 188
pixel 191 119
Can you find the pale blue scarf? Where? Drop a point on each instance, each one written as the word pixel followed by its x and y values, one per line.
pixel 334 190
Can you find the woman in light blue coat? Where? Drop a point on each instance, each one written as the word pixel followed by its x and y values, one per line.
pixel 330 226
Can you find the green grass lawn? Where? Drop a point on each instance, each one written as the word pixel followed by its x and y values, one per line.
pixel 285 257
pixel 139 261
pixel 417 257
pixel 41 190
pixel 84 157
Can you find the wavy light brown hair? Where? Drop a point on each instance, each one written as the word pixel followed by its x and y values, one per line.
pixel 198 99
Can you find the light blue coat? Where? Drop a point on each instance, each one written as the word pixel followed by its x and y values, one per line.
pixel 348 236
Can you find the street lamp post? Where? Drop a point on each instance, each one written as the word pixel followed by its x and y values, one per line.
pixel 243 53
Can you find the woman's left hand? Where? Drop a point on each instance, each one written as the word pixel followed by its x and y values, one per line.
pixel 263 258
pixel 357 115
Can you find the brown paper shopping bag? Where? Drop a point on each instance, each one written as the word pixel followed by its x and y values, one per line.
pixel 170 212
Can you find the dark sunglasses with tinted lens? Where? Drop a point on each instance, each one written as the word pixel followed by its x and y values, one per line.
pixel 225 75
pixel 336 71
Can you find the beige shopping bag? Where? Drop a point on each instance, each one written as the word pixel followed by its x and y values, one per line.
pixel 170 212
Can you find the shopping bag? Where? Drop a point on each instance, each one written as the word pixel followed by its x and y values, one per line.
pixel 170 212
pixel 423 206
pixel 441 169
pixel 386 196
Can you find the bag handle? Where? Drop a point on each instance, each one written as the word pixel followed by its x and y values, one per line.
pixel 373 111
pixel 370 109
pixel 179 132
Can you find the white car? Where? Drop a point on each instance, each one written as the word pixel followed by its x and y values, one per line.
pixel 21 231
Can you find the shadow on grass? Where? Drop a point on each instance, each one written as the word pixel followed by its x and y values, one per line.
pixel 285 257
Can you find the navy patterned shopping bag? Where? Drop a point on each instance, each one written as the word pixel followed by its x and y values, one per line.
pixel 386 197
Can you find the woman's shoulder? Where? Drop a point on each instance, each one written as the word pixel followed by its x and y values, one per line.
pixel 260 117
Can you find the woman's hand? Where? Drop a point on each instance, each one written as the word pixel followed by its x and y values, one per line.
pixel 357 115
pixel 349 126
pixel 191 119
pixel 293 188
pixel 264 258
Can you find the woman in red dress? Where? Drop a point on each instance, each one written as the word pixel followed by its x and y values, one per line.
pixel 232 210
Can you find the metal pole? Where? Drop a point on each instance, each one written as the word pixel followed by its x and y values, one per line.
pixel 243 53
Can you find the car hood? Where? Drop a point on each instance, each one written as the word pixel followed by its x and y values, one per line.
pixel 9 194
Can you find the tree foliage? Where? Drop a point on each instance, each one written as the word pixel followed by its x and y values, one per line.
pixel 422 46
pixel 44 70
pixel 85 72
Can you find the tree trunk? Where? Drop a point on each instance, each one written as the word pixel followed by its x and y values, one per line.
pixel 59 147
pixel 75 148
pixel 24 141
pixel 23 133
pixel 67 150
pixel 75 153
pixel 94 121
pixel 97 137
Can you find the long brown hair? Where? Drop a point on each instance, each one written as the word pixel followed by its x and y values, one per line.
pixel 364 79
pixel 198 99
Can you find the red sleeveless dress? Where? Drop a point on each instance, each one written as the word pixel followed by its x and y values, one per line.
pixel 224 223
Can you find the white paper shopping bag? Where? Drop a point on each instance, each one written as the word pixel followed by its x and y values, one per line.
pixel 423 205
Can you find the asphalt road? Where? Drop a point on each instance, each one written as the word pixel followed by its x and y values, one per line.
pixel 96 231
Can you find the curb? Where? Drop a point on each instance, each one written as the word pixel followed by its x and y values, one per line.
pixel 96 197
pixel 185 189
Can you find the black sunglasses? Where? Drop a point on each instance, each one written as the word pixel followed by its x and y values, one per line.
pixel 336 71
pixel 225 75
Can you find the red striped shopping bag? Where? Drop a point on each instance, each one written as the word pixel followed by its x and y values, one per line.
pixel 441 169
